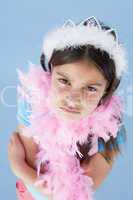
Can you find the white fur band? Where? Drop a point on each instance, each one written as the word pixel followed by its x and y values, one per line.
pixel 72 35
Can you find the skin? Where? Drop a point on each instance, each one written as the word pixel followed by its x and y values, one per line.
pixel 71 87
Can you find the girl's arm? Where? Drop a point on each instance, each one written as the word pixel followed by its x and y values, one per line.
pixel 19 166
pixel 98 168
pixel 31 148
pixel 22 157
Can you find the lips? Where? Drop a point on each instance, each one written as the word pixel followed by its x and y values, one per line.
pixel 70 109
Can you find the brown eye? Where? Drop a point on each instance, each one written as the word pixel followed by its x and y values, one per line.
pixel 91 89
pixel 63 81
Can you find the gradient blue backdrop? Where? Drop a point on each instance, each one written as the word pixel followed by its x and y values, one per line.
pixel 22 26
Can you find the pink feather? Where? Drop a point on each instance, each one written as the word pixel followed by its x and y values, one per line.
pixel 57 138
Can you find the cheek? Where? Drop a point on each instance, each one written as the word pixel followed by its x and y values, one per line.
pixel 91 102
pixel 93 98
pixel 58 94
pixel 59 90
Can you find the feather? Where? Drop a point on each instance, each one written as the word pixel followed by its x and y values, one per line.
pixel 58 139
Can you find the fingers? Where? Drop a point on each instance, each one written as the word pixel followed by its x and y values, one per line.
pixel 87 169
pixel 11 143
pixel 14 138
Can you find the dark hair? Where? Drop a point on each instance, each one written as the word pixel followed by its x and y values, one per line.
pixel 106 65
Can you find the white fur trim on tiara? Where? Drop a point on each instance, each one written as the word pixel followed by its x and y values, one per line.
pixel 72 35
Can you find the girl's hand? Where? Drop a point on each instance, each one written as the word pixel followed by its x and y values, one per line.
pixel 87 169
pixel 16 151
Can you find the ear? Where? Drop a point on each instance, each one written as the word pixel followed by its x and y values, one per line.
pixel 91 21
pixel 69 23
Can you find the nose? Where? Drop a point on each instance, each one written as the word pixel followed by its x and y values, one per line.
pixel 74 96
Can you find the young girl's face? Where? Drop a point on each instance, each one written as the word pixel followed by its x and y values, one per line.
pixel 76 89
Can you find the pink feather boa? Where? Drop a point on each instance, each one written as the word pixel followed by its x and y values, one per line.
pixel 57 138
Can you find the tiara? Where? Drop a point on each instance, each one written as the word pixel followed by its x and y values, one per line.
pixel 89 31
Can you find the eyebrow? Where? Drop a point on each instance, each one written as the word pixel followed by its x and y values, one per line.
pixel 97 83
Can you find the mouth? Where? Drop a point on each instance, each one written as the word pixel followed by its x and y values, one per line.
pixel 70 110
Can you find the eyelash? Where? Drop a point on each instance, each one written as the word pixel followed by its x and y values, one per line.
pixel 63 81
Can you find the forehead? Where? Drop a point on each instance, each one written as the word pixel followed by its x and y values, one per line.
pixel 81 71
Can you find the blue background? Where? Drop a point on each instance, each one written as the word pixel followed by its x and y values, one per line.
pixel 22 27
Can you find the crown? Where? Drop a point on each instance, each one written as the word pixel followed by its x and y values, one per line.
pixel 92 22
pixel 89 31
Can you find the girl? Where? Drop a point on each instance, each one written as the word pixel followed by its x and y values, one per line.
pixel 70 99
